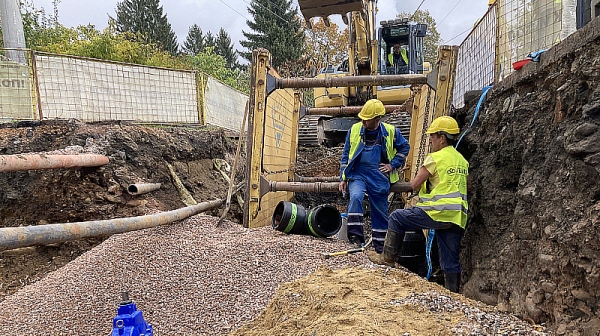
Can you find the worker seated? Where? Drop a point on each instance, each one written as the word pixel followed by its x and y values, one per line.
pixel 398 60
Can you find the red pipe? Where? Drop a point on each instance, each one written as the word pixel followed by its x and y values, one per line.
pixel 21 162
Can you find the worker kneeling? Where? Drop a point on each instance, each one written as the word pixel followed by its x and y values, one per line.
pixel 442 183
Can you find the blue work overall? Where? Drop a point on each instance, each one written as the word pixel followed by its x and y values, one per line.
pixel 366 177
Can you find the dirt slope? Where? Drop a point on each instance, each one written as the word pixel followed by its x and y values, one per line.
pixel 532 245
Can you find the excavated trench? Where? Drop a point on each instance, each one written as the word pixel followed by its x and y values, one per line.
pixel 532 244
pixel 137 155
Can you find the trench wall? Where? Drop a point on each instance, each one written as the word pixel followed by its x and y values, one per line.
pixel 532 245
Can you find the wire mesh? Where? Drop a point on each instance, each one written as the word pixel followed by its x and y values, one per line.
pixel 94 90
pixel 476 58
pixel 527 26
pixel 17 85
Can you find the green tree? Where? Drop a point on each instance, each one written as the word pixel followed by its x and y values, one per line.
pixel 277 28
pixel 146 17
pixel 196 42
pixel 433 40
pixel 224 47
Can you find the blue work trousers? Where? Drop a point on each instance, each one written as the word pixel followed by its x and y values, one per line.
pixel 366 178
pixel 448 234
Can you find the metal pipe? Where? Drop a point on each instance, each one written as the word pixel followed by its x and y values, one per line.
pixel 298 178
pixel 41 161
pixel 348 110
pixel 142 188
pixel 317 187
pixel 348 81
pixel 16 237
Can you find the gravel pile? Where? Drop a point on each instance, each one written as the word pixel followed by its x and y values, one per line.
pixel 476 321
pixel 188 278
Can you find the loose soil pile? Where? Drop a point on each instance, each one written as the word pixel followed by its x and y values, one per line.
pixel 532 244
pixel 137 155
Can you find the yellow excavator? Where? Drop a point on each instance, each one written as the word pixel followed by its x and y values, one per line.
pixel 369 53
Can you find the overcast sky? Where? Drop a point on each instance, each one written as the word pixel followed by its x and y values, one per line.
pixel 211 15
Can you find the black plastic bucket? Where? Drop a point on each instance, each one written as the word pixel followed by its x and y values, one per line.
pixel 412 255
pixel 322 221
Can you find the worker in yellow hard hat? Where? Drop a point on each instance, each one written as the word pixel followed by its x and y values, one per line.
pixel 372 153
pixel 442 182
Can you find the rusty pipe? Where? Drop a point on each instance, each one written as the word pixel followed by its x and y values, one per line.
pixel 317 187
pixel 298 178
pixel 348 110
pixel 41 161
pixel 16 237
pixel 349 81
pixel 142 188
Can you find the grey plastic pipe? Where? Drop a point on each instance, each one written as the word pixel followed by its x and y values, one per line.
pixel 142 188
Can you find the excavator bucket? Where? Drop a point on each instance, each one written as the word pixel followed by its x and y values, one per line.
pixel 324 8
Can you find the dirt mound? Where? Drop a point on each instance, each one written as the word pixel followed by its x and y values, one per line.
pixel 382 302
pixel 137 155
pixel 532 244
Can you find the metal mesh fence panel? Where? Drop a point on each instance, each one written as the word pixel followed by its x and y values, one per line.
pixel 526 26
pixel 16 86
pixel 476 58
pixel 93 90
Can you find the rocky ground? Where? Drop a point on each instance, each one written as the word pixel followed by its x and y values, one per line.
pixel 532 244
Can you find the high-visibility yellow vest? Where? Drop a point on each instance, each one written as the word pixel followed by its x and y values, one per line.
pixel 447 202
pixel 355 140
pixel 404 57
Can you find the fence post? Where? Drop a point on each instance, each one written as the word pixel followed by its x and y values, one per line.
pixel 199 96
pixel 294 144
pixel 256 117
pixel 36 83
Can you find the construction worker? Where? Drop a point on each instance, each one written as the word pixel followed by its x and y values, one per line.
pixel 442 183
pixel 398 58
pixel 372 153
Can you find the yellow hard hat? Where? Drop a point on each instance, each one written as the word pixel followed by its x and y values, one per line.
pixel 491 2
pixel 372 109
pixel 444 124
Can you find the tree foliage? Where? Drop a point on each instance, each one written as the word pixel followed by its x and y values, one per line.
pixel 326 45
pixel 433 40
pixel 224 47
pixel 196 41
pixel 277 28
pixel 146 17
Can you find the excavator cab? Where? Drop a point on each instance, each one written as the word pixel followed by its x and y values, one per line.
pixel 407 39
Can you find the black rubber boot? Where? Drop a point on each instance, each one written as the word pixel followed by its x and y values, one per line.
pixel 452 281
pixel 392 247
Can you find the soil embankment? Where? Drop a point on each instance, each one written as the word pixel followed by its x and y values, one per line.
pixel 137 155
pixel 532 246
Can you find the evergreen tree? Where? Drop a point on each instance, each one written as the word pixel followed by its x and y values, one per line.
pixel 146 17
pixel 224 47
pixel 196 42
pixel 277 28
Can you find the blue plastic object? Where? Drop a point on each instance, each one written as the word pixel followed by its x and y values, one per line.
pixel 129 321
pixel 483 93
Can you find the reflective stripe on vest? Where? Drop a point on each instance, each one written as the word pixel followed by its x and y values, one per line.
pixel 447 202
pixel 356 139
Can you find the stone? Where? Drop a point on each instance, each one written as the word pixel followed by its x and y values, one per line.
pixel 580 294
pixel 548 287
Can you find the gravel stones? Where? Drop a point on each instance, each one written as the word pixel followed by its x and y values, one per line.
pixel 188 278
